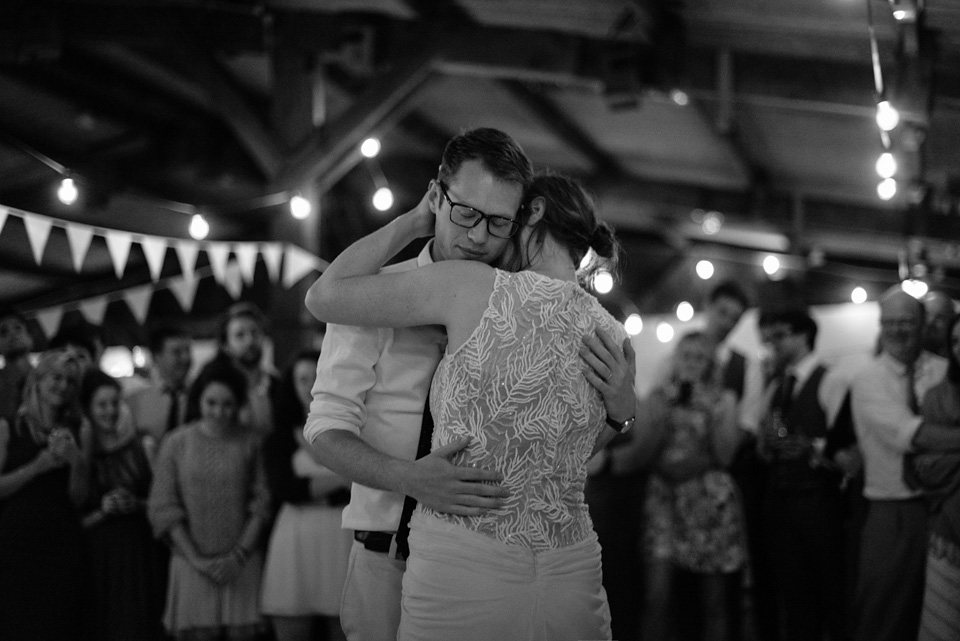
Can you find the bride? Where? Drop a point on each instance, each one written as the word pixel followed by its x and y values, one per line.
pixel 520 383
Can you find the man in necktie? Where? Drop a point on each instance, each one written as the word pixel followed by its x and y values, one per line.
pixel 894 538
pixel 159 406
pixel 802 507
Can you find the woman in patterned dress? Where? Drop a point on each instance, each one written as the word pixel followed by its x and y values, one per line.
pixel 514 384
pixel 692 510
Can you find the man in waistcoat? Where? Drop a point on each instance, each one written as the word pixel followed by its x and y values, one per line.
pixel 803 516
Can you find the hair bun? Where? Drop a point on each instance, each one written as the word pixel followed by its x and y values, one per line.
pixel 603 241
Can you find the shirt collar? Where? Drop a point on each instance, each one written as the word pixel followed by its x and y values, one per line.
pixel 804 367
pixel 424 257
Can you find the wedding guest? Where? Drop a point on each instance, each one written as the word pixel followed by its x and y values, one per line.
pixel 127 578
pixel 209 501
pixel 308 552
pixel 15 347
pixel 44 474
pixel 692 510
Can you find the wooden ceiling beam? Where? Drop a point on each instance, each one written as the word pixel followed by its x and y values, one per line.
pixel 334 147
pixel 566 130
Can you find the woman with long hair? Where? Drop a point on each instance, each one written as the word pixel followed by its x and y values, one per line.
pixel 209 501
pixel 44 467
pixel 126 575
pixel 308 552
pixel 692 509
pixel 513 384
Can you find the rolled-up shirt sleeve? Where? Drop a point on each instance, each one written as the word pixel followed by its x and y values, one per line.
pixel 346 371
pixel 880 406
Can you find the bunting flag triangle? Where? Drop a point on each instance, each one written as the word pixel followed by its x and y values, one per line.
pixel 38 231
pixel 49 320
pixel 94 309
pixel 118 244
pixel 187 252
pixel 79 237
pixel 272 255
pixel 297 263
pixel 3 217
pixel 218 253
pixel 233 280
pixel 138 300
pixel 246 260
pixel 184 290
pixel 155 250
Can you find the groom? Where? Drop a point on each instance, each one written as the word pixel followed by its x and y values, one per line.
pixel 372 385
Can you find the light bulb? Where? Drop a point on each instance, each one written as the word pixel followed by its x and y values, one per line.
pixel 858 295
pixel 370 148
pixel 705 269
pixel 300 207
pixel 712 222
pixel 684 311
pixel 664 332
pixel 633 324
pixel 383 199
pixel 67 192
pixel 887 188
pixel 602 282
pixel 771 264
pixel 199 227
pixel 886 165
pixel 887 116
pixel 916 288
pixel 680 97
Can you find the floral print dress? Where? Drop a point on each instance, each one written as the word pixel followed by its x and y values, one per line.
pixel 696 523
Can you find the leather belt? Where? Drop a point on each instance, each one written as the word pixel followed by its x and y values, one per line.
pixel 374 541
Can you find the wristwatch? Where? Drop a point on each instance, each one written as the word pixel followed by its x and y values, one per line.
pixel 622 426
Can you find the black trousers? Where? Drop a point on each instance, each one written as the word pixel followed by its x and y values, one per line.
pixel 806 540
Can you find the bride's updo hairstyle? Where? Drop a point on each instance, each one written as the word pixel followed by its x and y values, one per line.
pixel 570 217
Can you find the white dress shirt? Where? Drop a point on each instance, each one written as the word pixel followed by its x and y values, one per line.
pixel 884 422
pixel 373 382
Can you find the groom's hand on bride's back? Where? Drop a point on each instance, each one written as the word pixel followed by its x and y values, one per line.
pixel 467 491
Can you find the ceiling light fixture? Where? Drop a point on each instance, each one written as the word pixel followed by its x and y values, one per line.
pixel 300 207
pixel 370 148
pixel 886 165
pixel 887 188
pixel 199 227
pixel 705 269
pixel 887 116
pixel 67 191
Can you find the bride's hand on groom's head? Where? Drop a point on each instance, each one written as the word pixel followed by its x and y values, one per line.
pixel 423 217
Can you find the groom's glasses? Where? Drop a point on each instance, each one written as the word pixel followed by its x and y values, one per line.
pixel 466 216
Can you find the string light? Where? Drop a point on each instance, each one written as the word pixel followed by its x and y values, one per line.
pixel 914 287
pixel 684 311
pixel 712 222
pixel 664 332
pixel 67 192
pixel 680 97
pixel 887 116
pixel 886 165
pixel 705 269
pixel 887 188
pixel 300 207
pixel 383 199
pixel 771 264
pixel 858 295
pixel 370 148
pixel 602 282
pixel 633 324
pixel 199 227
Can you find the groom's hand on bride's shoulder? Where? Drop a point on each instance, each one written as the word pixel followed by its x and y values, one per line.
pixel 611 368
pixel 467 491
